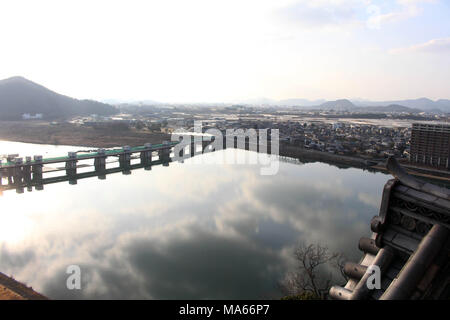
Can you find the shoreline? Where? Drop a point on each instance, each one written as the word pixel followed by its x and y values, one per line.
pixel 304 155
pixel 11 289
pixel 67 134
pixel 39 132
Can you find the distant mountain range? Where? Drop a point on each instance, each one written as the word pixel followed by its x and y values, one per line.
pixel 344 104
pixel 20 96
pixel 411 105
pixel 338 105
pixel 424 104
pixel 389 108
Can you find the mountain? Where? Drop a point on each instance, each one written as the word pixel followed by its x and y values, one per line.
pixel 338 105
pixel 19 96
pixel 443 104
pixel 389 108
pixel 360 105
pixel 423 104
pixel 414 105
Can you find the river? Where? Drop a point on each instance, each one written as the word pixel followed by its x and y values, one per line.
pixel 184 231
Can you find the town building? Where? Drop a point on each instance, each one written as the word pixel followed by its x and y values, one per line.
pixel 430 144
pixel 27 116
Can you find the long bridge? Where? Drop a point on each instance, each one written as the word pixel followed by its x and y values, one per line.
pixel 28 172
pixel 14 162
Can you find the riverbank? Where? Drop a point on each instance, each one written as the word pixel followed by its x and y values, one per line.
pixel 437 176
pixel 11 289
pixel 41 132
pixel 306 155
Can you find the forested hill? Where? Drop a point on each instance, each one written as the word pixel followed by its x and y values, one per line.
pixel 20 96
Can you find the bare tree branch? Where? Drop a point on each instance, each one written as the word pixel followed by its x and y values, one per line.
pixel 310 278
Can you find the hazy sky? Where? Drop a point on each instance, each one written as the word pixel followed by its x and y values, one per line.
pixel 217 50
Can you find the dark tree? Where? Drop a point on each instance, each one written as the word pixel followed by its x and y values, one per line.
pixel 312 279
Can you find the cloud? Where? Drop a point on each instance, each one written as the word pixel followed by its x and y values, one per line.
pixel 323 14
pixel 377 19
pixel 407 9
pixel 189 265
pixel 236 243
pixel 341 14
pixel 432 46
pixel 369 199
pixel 410 2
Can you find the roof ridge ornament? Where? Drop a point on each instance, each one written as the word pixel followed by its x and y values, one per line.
pixel 398 172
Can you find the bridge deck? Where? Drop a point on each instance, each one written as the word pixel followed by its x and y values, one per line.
pixel 90 155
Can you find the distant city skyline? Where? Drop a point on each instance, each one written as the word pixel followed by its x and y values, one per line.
pixel 221 51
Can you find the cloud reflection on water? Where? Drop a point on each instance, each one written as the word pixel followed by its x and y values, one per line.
pixel 186 231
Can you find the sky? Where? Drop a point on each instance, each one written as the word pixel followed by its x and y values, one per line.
pixel 229 50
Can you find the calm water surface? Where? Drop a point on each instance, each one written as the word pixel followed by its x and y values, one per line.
pixel 185 231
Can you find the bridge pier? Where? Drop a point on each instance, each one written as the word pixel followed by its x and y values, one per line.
pixel 224 142
pixel 192 149
pixel 125 157
pixel 71 165
pixel 100 162
pixel 17 170
pixel 10 175
pixel 257 142
pixel 27 170
pixel 146 156
pixel 36 169
pixel 164 154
